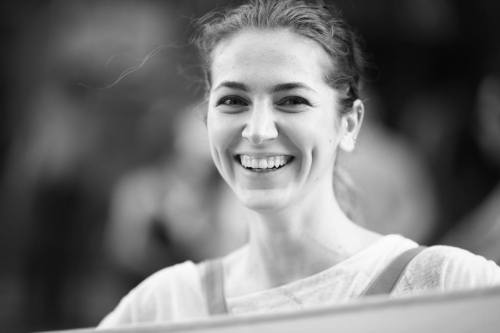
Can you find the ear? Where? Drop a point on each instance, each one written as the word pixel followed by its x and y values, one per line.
pixel 350 125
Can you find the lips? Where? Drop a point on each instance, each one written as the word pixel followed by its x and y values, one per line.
pixel 263 163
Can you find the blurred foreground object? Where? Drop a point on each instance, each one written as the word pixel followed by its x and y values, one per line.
pixel 460 312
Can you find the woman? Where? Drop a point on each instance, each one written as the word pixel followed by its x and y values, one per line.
pixel 283 93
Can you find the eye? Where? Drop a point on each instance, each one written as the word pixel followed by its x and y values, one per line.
pixel 293 100
pixel 231 101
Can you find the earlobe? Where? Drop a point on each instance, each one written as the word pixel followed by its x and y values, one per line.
pixel 351 123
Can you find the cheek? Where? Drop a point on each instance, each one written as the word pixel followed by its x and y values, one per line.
pixel 330 128
pixel 319 132
pixel 221 132
pixel 215 140
pixel 214 131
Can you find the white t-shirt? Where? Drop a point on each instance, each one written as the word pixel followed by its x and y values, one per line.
pixel 175 293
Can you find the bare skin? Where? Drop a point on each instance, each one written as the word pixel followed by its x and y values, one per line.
pixel 268 99
pixel 293 248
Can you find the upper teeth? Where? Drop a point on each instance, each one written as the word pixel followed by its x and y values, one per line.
pixel 263 162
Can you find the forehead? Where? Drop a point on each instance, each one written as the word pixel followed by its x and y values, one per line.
pixel 272 56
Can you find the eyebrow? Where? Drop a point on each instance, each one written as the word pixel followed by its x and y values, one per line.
pixel 276 88
pixel 290 86
pixel 233 85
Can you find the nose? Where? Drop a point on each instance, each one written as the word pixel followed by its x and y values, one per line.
pixel 260 126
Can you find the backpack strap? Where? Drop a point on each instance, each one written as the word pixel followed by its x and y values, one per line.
pixel 212 281
pixel 385 282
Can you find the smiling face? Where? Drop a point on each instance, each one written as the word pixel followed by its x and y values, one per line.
pixel 273 121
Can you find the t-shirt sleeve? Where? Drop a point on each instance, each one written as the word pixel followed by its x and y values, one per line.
pixel 447 268
pixel 464 269
pixel 140 304
pixel 169 295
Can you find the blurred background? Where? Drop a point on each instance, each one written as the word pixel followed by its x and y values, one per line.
pixel 105 175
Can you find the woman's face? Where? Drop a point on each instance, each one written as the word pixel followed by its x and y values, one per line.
pixel 272 120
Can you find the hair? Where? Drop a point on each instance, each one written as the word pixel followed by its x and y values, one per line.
pixel 311 19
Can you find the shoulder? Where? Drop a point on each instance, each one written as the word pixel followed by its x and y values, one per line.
pixel 171 294
pixel 447 268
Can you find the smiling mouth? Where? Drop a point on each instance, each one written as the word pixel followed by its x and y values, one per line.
pixel 263 164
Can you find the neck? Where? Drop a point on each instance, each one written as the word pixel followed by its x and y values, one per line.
pixel 299 241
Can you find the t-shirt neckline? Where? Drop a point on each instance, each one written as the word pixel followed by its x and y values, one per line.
pixel 319 275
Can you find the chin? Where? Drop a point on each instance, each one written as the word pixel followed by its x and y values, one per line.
pixel 264 200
